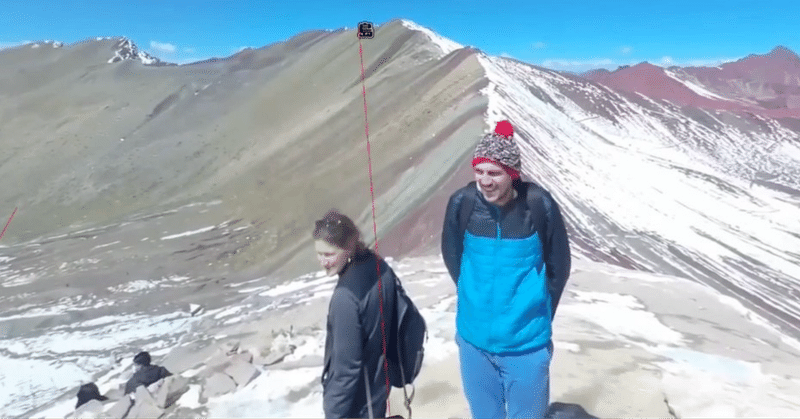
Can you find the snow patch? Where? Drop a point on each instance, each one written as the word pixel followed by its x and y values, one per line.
pixel 189 233
pixel 791 150
pixel 621 315
pixel 445 45
pixel 700 90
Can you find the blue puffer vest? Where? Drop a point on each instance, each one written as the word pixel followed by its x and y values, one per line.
pixel 503 300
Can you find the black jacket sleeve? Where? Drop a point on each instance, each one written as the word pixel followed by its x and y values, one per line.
pixel 339 392
pixel 452 237
pixel 559 260
pixel 131 385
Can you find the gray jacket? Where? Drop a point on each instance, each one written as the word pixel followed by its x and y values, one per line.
pixel 355 339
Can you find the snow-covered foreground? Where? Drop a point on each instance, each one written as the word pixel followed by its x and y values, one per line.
pixel 625 342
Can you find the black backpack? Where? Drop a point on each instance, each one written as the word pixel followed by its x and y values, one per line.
pixel 407 335
pixel 405 348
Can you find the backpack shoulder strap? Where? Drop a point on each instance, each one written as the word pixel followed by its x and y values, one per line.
pixel 467 204
pixel 534 194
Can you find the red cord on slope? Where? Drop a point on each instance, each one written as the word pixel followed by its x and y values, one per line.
pixel 375 230
pixel 15 211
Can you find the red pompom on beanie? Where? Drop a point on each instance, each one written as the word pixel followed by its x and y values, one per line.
pixel 504 128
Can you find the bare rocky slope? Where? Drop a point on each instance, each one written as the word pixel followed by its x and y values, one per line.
pixel 274 135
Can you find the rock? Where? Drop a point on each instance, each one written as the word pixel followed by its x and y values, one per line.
pixel 185 412
pixel 195 309
pixel 142 395
pixel 145 409
pixel 242 373
pixel 90 409
pixel 219 358
pixel 173 388
pixel 120 409
pixel 245 357
pixel 115 394
pixel 216 363
pixel 210 370
pixel 218 384
pixel 304 362
pixel 275 356
pixel 184 358
pixel 153 388
pixel 231 347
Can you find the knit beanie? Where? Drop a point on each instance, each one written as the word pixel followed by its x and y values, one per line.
pixel 499 147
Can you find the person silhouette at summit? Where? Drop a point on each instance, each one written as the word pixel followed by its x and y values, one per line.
pixel 145 373
pixel 506 247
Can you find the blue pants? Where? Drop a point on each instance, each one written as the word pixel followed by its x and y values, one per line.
pixel 506 386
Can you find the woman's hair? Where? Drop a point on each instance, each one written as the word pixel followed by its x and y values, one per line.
pixel 87 393
pixel 338 230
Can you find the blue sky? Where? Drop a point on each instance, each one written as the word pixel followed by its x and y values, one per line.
pixel 562 34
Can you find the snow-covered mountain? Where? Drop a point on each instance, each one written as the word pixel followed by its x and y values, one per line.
pixel 659 171
pixel 125 49
pixel 122 49
pixel 661 186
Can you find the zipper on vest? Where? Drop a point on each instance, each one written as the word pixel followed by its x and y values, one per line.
pixel 496 213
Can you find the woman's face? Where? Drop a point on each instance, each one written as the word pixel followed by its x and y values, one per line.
pixel 331 258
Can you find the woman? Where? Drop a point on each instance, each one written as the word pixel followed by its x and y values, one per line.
pixel 354 343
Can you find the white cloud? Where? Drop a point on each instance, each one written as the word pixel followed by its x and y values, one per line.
pixel 163 47
pixel 539 45
pixel 188 50
pixel 577 65
pixel 710 62
pixel 626 50
pixel 667 61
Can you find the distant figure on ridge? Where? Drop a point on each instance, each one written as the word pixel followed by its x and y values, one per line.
pixel 506 247
pixel 354 319
pixel 145 374
pixel 87 393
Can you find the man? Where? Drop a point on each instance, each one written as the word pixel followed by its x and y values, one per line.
pixel 145 374
pixel 506 247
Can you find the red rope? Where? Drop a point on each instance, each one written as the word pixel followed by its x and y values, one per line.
pixel 12 216
pixel 375 230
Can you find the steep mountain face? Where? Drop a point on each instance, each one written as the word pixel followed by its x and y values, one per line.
pixel 661 185
pixel 771 81
pixel 242 154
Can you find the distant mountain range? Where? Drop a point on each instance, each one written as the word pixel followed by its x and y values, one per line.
pixel 767 85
